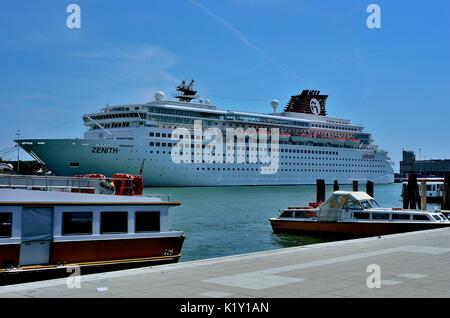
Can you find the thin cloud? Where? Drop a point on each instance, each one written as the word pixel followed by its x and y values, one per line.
pixel 238 34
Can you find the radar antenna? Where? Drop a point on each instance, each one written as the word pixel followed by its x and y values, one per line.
pixel 188 91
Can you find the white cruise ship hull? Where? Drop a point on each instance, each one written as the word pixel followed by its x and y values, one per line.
pixel 68 157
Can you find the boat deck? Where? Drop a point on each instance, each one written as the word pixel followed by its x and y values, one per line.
pixel 412 265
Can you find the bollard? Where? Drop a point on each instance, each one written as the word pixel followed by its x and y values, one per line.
pixel 369 188
pixel 320 186
pixel 335 186
pixel 412 190
pixel 355 185
pixel 446 194
pixel 405 196
pixel 423 195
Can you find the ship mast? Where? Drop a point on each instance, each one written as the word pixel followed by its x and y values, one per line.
pixel 187 90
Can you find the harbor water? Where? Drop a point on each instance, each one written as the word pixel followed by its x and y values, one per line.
pixel 221 221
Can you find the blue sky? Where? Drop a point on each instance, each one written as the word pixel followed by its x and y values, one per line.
pixel 242 53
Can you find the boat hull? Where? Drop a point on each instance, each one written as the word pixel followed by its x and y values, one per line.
pixel 349 229
pixel 69 157
pixel 91 256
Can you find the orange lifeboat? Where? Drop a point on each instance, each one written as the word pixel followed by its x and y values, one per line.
pixel 138 185
pixel 123 183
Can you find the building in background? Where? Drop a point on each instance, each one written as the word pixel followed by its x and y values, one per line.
pixel 423 168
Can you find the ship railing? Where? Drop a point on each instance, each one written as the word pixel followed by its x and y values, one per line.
pixel 47 183
pixel 63 184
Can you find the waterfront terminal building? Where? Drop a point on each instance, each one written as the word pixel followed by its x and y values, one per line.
pixel 437 168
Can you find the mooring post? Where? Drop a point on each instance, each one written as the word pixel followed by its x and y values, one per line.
pixel 320 185
pixel 446 194
pixel 355 185
pixel 335 186
pixel 418 200
pixel 412 190
pixel 423 195
pixel 369 188
pixel 405 196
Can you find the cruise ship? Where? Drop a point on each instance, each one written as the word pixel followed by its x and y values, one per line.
pixel 302 144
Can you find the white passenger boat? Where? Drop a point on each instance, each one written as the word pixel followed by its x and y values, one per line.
pixel 355 214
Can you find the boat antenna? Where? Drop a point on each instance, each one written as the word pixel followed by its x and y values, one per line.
pixel 18 151
pixel 141 171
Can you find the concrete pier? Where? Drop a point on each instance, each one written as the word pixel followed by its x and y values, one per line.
pixel 410 265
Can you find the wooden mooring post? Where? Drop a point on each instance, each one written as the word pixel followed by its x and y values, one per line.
pixel 370 188
pixel 446 194
pixel 335 186
pixel 412 194
pixel 405 196
pixel 355 186
pixel 320 186
pixel 423 195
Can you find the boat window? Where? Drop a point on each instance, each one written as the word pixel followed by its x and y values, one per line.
pixel 401 216
pixel 437 217
pixel 5 224
pixel 419 217
pixel 300 214
pixel 380 216
pixel 366 205
pixel 352 205
pixel 361 216
pixel 77 223
pixel 287 214
pixel 114 222
pixel 147 221
pixel 443 217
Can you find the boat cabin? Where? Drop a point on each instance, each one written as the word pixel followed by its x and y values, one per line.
pixel 47 228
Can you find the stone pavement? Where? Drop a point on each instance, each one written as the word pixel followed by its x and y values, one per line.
pixel 410 265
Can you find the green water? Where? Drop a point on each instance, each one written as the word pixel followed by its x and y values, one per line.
pixel 224 221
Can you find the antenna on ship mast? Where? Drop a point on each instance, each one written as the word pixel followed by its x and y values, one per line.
pixel 188 92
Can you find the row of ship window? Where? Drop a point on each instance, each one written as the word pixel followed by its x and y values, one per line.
pixel 285 163
pixel 112 125
pixel 300 151
pixel 317 152
pixel 239 118
pixel 287 170
pixel 325 142
pixel 81 223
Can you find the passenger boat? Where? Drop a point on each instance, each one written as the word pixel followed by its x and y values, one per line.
pixel 434 188
pixel 48 231
pixel 355 214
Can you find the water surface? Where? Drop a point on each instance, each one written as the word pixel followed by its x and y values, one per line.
pixel 220 221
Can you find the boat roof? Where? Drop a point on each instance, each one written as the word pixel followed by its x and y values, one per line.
pixel 35 197
pixel 356 195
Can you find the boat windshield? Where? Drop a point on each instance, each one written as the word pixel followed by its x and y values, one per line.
pixel 368 204
pixel 374 203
